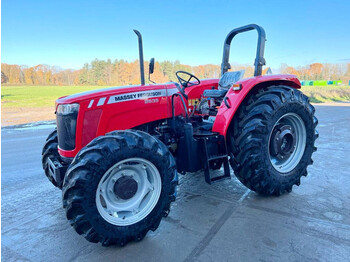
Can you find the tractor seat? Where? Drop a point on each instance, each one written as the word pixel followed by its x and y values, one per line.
pixel 225 82
pixel 229 78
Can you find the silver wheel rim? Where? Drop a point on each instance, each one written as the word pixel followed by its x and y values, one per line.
pixel 124 212
pixel 289 163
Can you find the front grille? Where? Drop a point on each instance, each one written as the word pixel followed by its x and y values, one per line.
pixel 66 129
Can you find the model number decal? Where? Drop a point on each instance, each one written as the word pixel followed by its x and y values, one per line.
pixel 136 96
pixel 153 100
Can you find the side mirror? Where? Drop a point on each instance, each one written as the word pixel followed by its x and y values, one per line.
pixel 151 70
pixel 151 66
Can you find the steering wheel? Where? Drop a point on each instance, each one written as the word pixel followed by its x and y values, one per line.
pixel 187 83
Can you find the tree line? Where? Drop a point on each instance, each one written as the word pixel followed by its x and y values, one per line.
pixel 121 72
pixel 318 71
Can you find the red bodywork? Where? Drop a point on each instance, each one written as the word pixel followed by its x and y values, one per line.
pixel 120 108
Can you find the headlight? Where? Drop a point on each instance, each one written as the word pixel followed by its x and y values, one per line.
pixel 67 109
pixel 66 119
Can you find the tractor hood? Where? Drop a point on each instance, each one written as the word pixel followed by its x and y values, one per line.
pixel 110 91
pixel 141 91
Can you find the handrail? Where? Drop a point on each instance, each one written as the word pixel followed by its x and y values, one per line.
pixel 173 108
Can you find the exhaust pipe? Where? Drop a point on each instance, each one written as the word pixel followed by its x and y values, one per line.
pixel 142 69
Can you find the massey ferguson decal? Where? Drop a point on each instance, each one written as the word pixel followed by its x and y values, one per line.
pixel 136 96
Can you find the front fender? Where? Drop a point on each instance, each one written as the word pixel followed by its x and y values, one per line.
pixel 235 98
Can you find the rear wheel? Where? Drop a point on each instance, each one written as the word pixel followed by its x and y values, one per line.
pixel 272 139
pixel 119 187
pixel 50 150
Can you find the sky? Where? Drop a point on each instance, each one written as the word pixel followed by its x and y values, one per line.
pixel 70 33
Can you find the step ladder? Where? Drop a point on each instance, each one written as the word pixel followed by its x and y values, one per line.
pixel 220 154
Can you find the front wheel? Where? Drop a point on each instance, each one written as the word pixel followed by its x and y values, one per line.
pixel 119 187
pixel 272 139
pixel 50 150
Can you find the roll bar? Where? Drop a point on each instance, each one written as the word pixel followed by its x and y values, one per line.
pixel 259 60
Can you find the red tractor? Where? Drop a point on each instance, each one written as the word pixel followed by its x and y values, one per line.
pixel 117 152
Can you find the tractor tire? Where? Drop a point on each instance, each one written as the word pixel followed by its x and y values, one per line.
pixel 272 138
pixel 50 150
pixel 103 190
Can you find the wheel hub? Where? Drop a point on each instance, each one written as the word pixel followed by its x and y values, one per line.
pixel 282 141
pixel 287 142
pixel 125 187
pixel 128 191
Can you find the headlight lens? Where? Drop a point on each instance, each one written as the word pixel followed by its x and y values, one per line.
pixel 67 109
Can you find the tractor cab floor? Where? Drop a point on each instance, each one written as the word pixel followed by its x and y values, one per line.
pixel 202 129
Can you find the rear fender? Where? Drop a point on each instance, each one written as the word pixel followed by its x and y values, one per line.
pixel 235 98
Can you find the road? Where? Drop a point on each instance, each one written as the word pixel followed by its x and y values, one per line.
pixel 221 222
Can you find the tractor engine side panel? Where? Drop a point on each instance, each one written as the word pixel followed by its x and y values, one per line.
pixel 119 111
